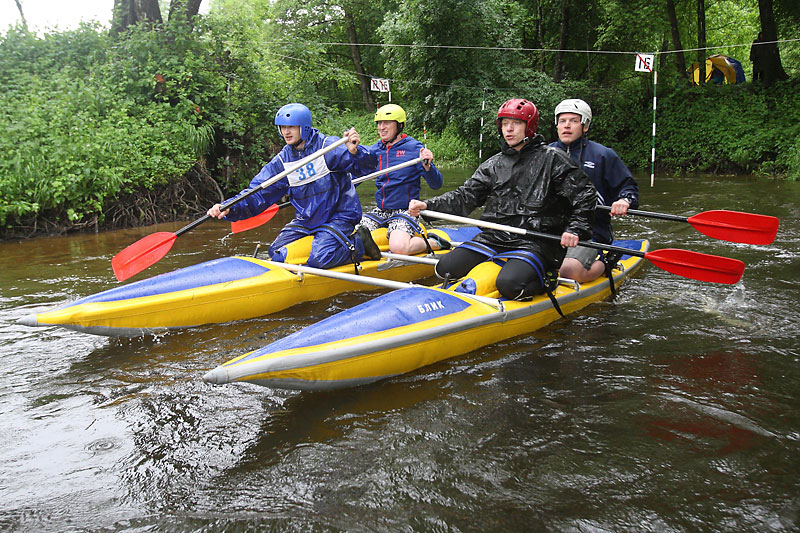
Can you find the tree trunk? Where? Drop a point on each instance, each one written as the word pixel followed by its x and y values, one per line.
pixel 363 79
pixel 129 12
pixel 562 41
pixel 701 41
pixel 771 66
pixel 538 39
pixel 22 15
pixel 680 60
pixel 184 8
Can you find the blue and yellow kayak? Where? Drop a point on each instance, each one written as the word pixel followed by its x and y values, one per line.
pixel 222 290
pixel 409 328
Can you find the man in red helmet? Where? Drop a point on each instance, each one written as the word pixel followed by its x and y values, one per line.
pixel 528 185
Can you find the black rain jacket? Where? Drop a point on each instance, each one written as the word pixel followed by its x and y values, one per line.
pixel 538 188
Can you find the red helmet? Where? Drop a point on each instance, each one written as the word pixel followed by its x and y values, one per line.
pixel 520 109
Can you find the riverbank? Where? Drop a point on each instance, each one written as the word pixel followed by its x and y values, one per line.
pixel 99 137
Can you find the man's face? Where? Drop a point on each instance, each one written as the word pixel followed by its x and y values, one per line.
pixel 291 134
pixel 513 130
pixel 387 130
pixel 570 128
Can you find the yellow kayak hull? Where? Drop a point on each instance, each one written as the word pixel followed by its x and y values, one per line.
pixel 218 291
pixel 407 329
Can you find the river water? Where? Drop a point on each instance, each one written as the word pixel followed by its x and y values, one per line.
pixel 674 407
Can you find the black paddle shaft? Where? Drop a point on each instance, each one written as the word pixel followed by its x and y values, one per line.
pixel 587 244
pixel 662 216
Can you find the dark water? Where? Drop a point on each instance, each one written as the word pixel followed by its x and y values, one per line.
pixel 675 407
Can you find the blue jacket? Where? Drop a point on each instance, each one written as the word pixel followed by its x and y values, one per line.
pixel 610 177
pixel 396 189
pixel 320 192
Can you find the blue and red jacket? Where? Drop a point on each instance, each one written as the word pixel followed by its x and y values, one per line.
pixel 610 177
pixel 320 192
pixel 396 189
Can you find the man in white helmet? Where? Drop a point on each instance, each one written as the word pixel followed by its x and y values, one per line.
pixel 612 179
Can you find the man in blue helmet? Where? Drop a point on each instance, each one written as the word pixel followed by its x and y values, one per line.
pixel 612 179
pixel 322 193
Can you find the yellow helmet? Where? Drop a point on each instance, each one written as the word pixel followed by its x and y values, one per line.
pixel 391 112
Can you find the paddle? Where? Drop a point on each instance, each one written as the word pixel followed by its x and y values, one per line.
pixel 266 215
pixel 693 265
pixel 734 226
pixel 149 250
pixel 377 282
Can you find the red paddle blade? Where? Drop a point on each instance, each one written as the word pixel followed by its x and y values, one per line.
pixel 254 222
pixel 735 226
pixel 141 254
pixel 694 265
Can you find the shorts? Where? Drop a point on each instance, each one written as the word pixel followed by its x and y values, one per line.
pixel 583 254
pixel 394 224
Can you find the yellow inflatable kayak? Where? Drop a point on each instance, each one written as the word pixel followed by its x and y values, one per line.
pixel 409 328
pixel 222 290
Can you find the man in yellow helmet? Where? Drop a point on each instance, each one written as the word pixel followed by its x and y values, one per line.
pixel 396 189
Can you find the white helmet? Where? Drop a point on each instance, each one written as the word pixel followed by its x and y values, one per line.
pixel 574 105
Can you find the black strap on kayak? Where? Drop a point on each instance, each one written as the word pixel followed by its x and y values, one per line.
pixel 380 221
pixel 550 282
pixel 342 238
pixel 610 259
pixel 555 303
pixel 299 228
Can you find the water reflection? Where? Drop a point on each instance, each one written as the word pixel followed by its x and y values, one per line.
pixel 673 407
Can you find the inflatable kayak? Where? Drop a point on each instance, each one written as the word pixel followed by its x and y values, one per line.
pixel 224 290
pixel 411 327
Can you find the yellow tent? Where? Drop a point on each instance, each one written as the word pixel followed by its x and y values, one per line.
pixel 719 69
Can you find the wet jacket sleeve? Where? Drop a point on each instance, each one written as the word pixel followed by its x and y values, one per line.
pixel 359 164
pixel 574 185
pixel 261 200
pixel 621 180
pixel 466 198
pixel 432 177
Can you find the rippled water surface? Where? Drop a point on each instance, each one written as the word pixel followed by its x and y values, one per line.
pixel 674 407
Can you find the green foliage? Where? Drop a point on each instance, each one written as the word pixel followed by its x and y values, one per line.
pixel 88 118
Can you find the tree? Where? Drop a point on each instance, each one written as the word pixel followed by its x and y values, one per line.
pixel 21 14
pixel 680 61
pixel 130 12
pixel 562 41
pixel 770 57
pixel 701 41
pixel 355 51
pixel 343 25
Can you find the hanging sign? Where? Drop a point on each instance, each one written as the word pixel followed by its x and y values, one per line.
pixel 378 84
pixel 644 62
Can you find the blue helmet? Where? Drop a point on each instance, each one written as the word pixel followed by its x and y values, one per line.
pixel 295 115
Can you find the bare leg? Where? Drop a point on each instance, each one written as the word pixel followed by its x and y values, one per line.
pixel 401 242
pixel 573 269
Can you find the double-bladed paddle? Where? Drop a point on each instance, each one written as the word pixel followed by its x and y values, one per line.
pixel 265 216
pixel 149 250
pixel 734 226
pixel 693 265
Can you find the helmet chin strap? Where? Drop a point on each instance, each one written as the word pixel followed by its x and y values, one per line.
pixel 526 139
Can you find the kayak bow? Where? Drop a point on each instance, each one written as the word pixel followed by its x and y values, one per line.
pixel 409 328
pixel 221 290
